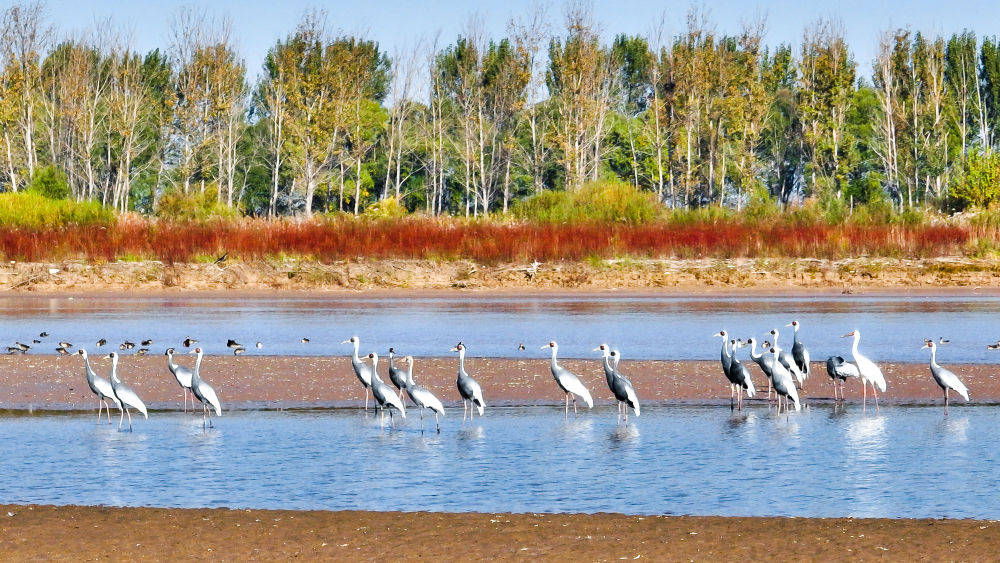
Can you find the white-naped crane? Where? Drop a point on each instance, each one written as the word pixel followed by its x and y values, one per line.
pixel 422 397
pixel 127 398
pixel 100 386
pixel 945 378
pixel 568 381
pixel 386 398
pixel 361 370
pixel 204 392
pixel 468 388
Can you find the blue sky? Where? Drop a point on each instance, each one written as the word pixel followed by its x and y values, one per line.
pixel 258 24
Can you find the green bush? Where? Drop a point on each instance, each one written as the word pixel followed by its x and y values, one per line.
pixel 388 208
pixel 598 202
pixel 194 206
pixel 979 185
pixel 50 182
pixel 32 210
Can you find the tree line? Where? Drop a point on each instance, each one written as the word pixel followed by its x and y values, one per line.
pixel 334 122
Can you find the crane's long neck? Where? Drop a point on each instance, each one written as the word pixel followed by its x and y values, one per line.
pixel 854 347
pixel 461 359
pixel 725 347
pixel 196 374
pixel 795 334
pixel 555 364
pixel 375 376
pixel 618 358
pixel 409 375
pixel 114 371
pixel 933 355
pixel 609 372
pixel 170 362
pixel 753 351
pixel 357 344
pixel 390 361
pixel 89 370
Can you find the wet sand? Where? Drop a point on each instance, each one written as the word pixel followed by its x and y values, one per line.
pixel 128 533
pixel 41 382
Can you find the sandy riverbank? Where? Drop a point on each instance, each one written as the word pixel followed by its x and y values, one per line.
pixel 35 532
pixel 691 275
pixel 57 382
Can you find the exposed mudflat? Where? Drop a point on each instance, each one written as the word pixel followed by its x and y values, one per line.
pixel 57 382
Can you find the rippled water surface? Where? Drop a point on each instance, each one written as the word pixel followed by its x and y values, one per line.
pixel 645 327
pixel 903 462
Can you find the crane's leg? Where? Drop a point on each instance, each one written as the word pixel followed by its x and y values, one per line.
pixel 100 402
pixel 437 422
pixel 574 405
pixel 465 408
pixel 875 393
pixel 567 405
pixel 129 420
pixel 946 401
pixel 392 419
pixel 121 417
pixel 864 396
pixel 366 399
pixel 730 396
pixel 421 420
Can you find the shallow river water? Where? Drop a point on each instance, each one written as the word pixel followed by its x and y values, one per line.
pixel 826 461
pixel 645 327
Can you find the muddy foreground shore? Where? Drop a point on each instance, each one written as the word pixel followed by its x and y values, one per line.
pixel 41 382
pixel 33 532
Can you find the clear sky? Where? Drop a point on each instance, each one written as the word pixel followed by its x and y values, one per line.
pixel 257 24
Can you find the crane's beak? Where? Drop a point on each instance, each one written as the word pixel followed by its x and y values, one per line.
pixel 544 347
pixel 848 334
pixel 717 334
pixel 598 349
pixel 346 342
pixel 454 350
pixel 789 324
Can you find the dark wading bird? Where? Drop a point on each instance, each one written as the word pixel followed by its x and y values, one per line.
pixel 765 364
pixel 741 375
pixel 468 388
pixel 189 342
pixel 840 369
pixel 799 352
pixel 727 366
pixel 618 384
pixel 396 374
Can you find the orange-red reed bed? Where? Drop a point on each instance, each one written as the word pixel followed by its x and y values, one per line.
pixel 489 242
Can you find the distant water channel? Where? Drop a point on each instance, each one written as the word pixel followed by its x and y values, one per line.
pixel 826 461
pixel 644 327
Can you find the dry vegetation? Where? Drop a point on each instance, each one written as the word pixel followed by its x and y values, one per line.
pixel 327 241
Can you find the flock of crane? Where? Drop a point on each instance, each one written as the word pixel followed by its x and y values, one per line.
pixel 785 372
